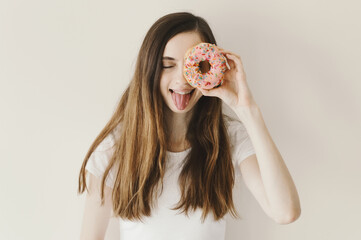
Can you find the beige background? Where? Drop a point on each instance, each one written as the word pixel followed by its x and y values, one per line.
pixel 65 63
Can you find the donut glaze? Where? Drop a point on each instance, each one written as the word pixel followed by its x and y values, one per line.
pixel 204 52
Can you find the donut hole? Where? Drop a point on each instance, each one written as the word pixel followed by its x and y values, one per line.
pixel 204 66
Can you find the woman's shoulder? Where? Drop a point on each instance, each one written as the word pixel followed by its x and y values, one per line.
pixel 236 129
pixel 233 123
pixel 109 141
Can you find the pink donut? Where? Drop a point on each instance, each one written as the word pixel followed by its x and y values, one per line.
pixel 204 52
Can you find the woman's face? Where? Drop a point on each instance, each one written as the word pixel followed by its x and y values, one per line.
pixel 177 93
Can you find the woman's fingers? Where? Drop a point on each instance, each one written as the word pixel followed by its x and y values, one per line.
pixel 237 60
pixel 233 60
pixel 232 56
pixel 230 62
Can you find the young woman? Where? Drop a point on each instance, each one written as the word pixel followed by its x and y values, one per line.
pixel 166 167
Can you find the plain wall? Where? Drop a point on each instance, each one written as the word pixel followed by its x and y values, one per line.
pixel 65 63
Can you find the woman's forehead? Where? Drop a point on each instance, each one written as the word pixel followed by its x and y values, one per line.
pixel 177 46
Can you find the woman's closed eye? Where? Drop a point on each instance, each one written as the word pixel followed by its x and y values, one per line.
pixel 167 66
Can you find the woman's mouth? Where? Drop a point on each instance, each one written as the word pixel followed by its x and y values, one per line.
pixel 181 98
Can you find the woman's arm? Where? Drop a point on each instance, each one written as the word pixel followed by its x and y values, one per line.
pixel 266 174
pixel 96 217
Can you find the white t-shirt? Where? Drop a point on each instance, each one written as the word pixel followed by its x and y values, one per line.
pixel 165 223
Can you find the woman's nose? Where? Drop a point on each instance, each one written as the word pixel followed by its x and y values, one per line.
pixel 180 75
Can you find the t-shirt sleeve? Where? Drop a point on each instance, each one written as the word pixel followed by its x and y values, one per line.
pixel 241 144
pixel 99 160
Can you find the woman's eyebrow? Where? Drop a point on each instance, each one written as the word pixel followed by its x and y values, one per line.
pixel 168 58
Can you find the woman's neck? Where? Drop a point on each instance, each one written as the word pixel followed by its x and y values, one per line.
pixel 176 129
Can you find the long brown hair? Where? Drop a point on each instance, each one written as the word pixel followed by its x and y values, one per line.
pixel 207 176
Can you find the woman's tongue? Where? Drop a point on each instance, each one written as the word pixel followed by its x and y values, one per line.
pixel 181 100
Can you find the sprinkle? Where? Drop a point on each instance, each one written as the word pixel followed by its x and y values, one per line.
pixel 204 52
